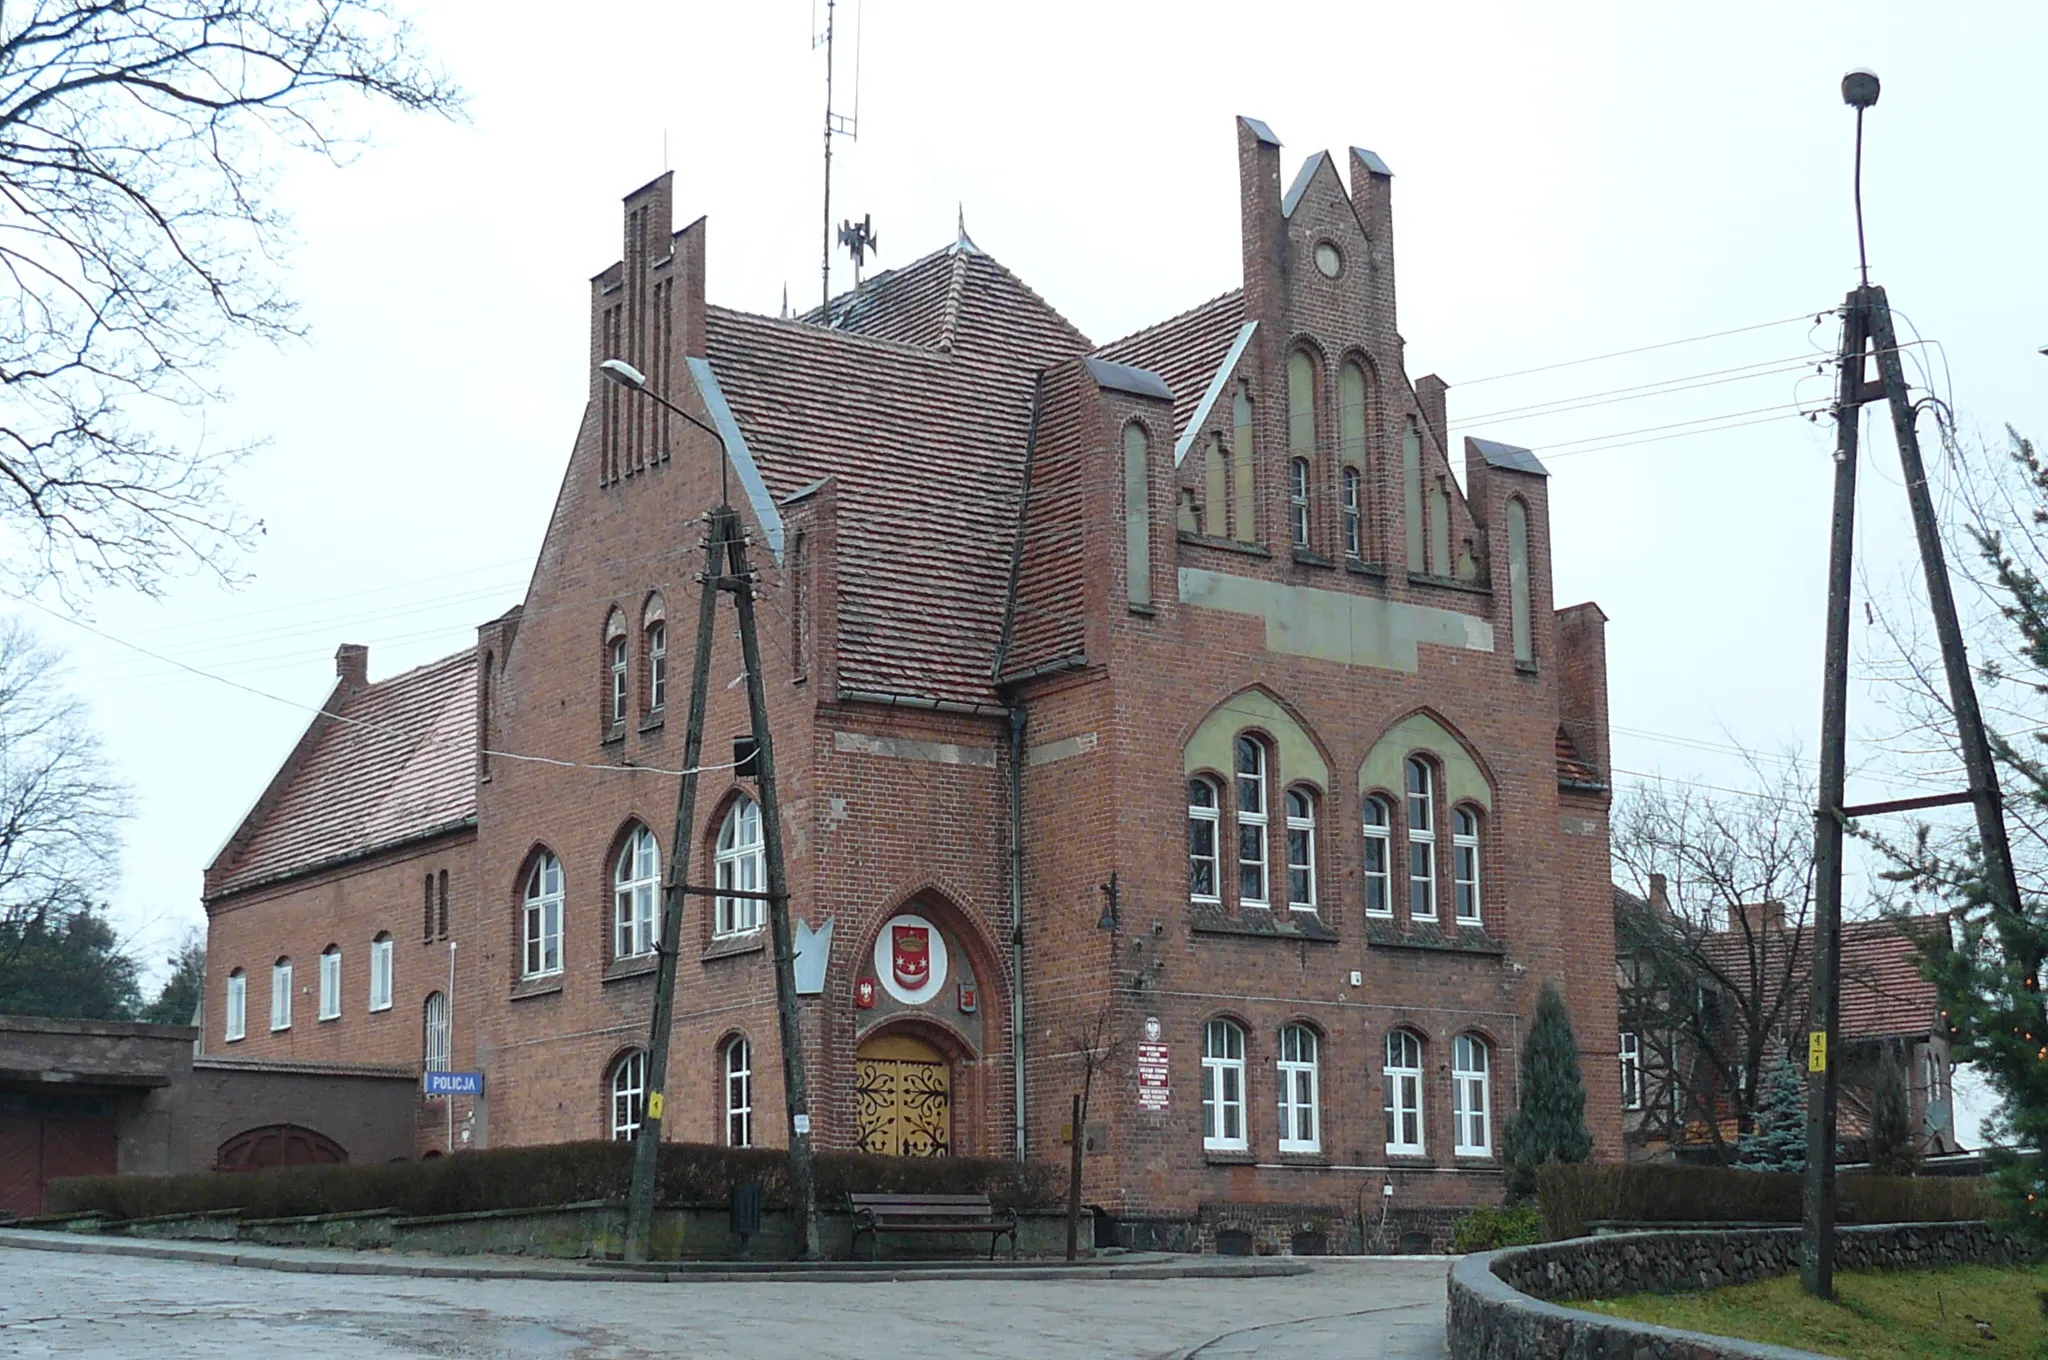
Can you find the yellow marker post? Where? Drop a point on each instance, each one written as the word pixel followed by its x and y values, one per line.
pixel 1817 1051
pixel 654 1105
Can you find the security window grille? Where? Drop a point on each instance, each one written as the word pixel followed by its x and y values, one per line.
pixel 436 1038
pixel 739 1094
pixel 1421 842
pixel 741 867
pixel 237 1007
pixel 1301 851
pixel 1299 1091
pixel 1223 1088
pixel 1403 1078
pixel 380 973
pixel 657 667
pixel 636 880
pixel 629 1094
pixel 1471 1097
pixel 330 984
pixel 1203 820
pixel 1251 823
pixel 1631 1072
pixel 543 918
pixel 281 994
pixel 1379 892
pixel 1465 864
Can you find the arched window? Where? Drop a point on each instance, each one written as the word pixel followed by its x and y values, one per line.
pixel 616 668
pixel 435 1032
pixel 1439 530
pixel 1411 494
pixel 1301 441
pixel 1203 821
pixel 1223 1087
pixel 427 910
pixel 1251 823
pixel 237 1007
pixel 739 1093
pixel 1215 491
pixel 380 972
pixel 1301 850
pixel 542 928
pixel 330 982
pixel 1297 501
pixel 1379 893
pixel 281 994
pixel 1354 515
pixel 636 880
pixel 1465 864
pixel 441 892
pixel 740 868
pixel 629 1094
pixel 1518 580
pixel 1243 508
pixel 799 606
pixel 1471 1097
pixel 1421 840
pixel 1403 1078
pixel 657 667
pixel 1300 1091
pixel 1138 514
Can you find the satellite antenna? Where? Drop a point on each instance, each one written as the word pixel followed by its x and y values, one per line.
pixel 836 125
pixel 859 238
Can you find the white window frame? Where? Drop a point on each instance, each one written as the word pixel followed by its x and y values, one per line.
pixel 236 1021
pixel 1301 849
pixel 628 1094
pixel 1421 805
pixel 1298 501
pixel 280 995
pixel 618 672
pixel 1472 1096
pixel 636 882
pixel 437 1033
pixel 380 973
pixel 1402 1076
pixel 1354 519
pixel 541 919
pixel 1630 1056
pixel 1223 1103
pixel 1250 787
pixel 1205 821
pixel 1379 837
pixel 741 865
pixel 657 666
pixel 330 983
pixel 739 1092
pixel 1465 901
pixel 1301 1124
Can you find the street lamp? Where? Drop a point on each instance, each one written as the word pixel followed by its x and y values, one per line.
pixel 633 380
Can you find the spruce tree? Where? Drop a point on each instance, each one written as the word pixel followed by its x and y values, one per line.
pixel 1550 1126
pixel 1778 1141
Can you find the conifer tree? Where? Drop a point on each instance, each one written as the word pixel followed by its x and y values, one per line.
pixel 1778 1142
pixel 1894 1149
pixel 1550 1126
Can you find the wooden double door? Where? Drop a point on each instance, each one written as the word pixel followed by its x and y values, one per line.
pixel 904 1089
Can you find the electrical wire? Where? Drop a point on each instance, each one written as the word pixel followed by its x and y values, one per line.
pixel 1644 349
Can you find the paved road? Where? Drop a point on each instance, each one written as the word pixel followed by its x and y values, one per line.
pixel 84 1305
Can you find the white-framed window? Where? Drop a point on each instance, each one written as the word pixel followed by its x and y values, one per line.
pixel 1379 890
pixel 739 1093
pixel 1471 1097
pixel 1300 1091
pixel 435 1032
pixel 629 1094
pixel 1297 500
pixel 1354 519
pixel 636 882
pixel 380 973
pixel 1631 1055
pixel 1223 1088
pixel 542 929
pixel 1421 840
pixel 1465 864
pixel 741 868
pixel 1301 850
pixel 1251 823
pixel 281 994
pixel 330 982
pixel 657 667
pixel 1203 823
pixel 618 679
pixel 1403 1077
pixel 1936 1074
pixel 237 1007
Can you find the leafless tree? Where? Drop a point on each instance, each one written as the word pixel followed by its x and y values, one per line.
pixel 1095 1044
pixel 138 142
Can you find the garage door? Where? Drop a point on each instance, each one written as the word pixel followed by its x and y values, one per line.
pixel 34 1152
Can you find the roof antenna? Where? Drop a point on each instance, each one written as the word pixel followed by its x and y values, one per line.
pixel 836 124
pixel 1859 90
pixel 785 302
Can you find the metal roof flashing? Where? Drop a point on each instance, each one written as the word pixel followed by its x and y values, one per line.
pixel 1139 382
pixel 1259 130
pixel 1302 179
pixel 1371 161
pixel 1508 457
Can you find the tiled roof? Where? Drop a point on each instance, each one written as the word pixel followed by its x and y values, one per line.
pixel 1883 992
pixel 1572 769
pixel 918 402
pixel 398 762
pixel 1185 350
pixel 1050 622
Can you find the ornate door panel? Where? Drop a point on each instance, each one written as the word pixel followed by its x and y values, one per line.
pixel 904 1091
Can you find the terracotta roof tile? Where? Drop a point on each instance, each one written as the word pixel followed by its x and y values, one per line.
pixel 1050 623
pixel 1572 769
pixel 1185 350
pixel 1883 992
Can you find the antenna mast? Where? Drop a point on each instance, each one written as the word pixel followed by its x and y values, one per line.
pixel 835 125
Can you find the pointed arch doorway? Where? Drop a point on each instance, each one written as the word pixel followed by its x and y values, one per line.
pixel 904 1090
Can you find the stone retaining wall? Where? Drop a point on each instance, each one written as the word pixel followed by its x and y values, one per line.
pixel 1500 1302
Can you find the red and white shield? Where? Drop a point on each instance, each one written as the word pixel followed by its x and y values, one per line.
pixel 911 951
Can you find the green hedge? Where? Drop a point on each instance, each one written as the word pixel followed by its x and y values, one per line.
pixel 1488 1228
pixel 559 1173
pixel 1572 1197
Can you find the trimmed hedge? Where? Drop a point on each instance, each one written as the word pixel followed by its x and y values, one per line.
pixel 1573 1197
pixel 558 1173
pixel 1489 1228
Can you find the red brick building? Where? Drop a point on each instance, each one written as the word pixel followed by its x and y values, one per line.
pixel 1205 613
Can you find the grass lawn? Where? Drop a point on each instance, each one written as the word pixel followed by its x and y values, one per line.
pixel 1882 1315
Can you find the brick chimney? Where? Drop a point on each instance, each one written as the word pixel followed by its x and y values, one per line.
pixel 352 664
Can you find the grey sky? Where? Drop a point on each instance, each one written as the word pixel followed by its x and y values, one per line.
pixel 1569 180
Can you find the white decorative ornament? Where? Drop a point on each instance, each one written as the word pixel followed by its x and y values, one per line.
pixel 910 959
pixel 1152 1028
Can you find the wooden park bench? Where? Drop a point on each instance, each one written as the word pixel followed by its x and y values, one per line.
pixel 878 1214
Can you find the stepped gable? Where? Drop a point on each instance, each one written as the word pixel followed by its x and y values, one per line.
pixel 395 762
pixel 1185 350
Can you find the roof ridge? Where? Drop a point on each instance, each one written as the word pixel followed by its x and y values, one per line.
pixel 1035 296
pixel 799 326
pixel 1237 292
pixel 468 652
pixel 956 290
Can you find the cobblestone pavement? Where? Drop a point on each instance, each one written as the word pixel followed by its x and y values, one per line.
pixel 87 1305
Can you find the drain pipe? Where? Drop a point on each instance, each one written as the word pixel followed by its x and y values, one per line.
pixel 1018 719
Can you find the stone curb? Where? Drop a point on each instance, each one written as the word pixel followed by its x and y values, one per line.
pixel 309 1263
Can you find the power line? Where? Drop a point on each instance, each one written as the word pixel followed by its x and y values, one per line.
pixel 1643 349
pixel 1642 391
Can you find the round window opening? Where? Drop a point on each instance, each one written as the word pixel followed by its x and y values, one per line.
pixel 1328 260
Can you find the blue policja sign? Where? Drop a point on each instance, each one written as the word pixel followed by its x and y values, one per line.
pixel 455 1083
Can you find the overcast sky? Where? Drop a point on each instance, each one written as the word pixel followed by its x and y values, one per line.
pixel 1570 180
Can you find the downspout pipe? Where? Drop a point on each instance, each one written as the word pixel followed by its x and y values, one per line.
pixel 1019 718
